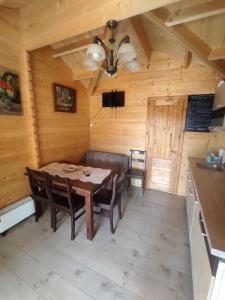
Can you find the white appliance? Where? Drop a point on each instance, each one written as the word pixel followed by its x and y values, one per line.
pixel 218 114
pixel 15 213
pixel 219 99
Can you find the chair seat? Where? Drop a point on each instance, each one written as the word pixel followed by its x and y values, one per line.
pixel 135 173
pixel 103 197
pixel 78 201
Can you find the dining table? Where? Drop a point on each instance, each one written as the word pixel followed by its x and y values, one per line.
pixel 85 181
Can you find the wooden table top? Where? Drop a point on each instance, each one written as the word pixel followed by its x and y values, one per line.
pixel 210 189
pixel 88 186
pixel 92 187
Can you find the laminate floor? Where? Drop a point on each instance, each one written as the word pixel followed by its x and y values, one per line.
pixel 148 257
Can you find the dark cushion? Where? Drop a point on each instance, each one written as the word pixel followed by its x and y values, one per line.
pixel 103 197
pixel 41 195
pixel 78 201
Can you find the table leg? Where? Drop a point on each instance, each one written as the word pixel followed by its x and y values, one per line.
pixel 89 215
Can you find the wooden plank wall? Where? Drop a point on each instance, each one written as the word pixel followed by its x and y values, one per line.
pixel 61 136
pixel 120 129
pixel 15 141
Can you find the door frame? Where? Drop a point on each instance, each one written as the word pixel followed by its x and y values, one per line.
pixel 151 115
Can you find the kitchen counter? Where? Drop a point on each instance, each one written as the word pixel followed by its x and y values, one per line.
pixel 210 190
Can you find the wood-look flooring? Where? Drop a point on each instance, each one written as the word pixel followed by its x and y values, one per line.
pixel 148 257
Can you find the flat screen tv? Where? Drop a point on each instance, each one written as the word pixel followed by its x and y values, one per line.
pixel 113 99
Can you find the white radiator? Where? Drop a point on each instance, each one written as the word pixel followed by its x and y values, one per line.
pixel 15 213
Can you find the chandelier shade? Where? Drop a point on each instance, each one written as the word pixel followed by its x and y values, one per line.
pixel 133 66
pixel 111 55
pixel 127 52
pixel 90 64
pixel 96 52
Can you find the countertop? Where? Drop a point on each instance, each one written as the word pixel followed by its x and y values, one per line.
pixel 210 190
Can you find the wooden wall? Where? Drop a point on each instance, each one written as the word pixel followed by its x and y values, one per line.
pixel 15 142
pixel 121 129
pixel 60 135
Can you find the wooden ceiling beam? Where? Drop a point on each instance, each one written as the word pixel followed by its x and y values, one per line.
pixel 94 82
pixel 185 37
pixel 187 59
pixel 196 12
pixel 59 20
pixel 72 48
pixel 141 37
pixel 218 53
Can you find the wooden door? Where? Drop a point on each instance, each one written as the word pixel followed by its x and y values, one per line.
pixel 166 118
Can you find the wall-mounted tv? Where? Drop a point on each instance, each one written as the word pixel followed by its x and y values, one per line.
pixel 113 99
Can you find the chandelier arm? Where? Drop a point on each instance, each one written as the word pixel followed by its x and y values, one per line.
pixel 99 41
pixel 126 39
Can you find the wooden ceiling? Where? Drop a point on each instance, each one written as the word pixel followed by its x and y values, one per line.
pixel 189 29
pixel 13 3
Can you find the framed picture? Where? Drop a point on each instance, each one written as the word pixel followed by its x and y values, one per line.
pixel 10 101
pixel 64 98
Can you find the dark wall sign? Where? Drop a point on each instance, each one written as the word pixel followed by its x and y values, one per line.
pixel 199 112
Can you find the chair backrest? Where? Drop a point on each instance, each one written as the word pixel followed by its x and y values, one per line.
pixel 37 181
pixel 116 161
pixel 138 156
pixel 60 187
pixel 117 188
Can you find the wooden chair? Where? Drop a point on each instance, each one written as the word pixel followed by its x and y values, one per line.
pixel 39 189
pixel 106 199
pixel 62 198
pixel 136 156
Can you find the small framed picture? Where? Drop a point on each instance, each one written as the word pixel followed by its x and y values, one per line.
pixel 10 100
pixel 64 98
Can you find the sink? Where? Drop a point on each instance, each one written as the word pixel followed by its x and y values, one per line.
pixel 210 167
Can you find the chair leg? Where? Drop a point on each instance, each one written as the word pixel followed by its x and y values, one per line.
pixel 51 216
pixel 36 207
pixel 72 227
pixel 54 219
pixel 142 187
pixel 111 221
pixel 119 209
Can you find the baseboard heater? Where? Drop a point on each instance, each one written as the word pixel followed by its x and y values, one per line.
pixel 15 213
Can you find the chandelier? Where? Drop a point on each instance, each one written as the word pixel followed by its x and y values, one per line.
pixel 99 52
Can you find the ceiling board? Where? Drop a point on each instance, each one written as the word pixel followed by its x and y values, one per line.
pixel 14 3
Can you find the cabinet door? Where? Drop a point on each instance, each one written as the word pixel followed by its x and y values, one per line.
pixel 201 272
pixel 190 202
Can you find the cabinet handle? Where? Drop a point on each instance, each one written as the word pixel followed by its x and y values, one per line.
pixel 203 231
pixel 191 192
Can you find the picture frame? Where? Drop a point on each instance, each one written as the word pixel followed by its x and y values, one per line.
pixel 64 98
pixel 10 96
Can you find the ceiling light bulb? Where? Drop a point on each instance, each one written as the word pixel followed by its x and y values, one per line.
pixel 127 52
pixel 96 52
pixel 133 66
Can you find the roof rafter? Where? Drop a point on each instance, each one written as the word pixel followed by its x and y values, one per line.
pixel 196 12
pixel 185 37
pixel 187 59
pixel 72 48
pixel 141 37
pixel 218 53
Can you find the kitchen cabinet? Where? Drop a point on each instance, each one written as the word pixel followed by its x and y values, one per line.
pixel 202 277
pixel 191 202
pixel 205 213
